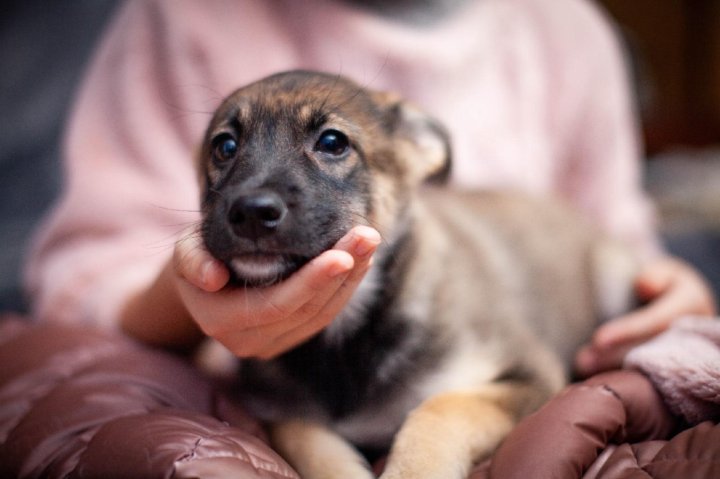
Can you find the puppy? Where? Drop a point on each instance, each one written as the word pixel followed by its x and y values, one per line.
pixel 467 319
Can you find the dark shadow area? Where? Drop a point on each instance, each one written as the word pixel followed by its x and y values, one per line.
pixel 44 47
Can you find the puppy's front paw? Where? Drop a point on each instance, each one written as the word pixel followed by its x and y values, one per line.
pixel 317 452
pixel 424 469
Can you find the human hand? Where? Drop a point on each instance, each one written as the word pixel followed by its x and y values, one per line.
pixel 265 322
pixel 671 288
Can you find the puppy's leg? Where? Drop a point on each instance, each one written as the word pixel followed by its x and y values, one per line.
pixel 447 433
pixel 316 452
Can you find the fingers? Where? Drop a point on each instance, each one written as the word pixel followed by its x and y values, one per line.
pixel 247 320
pixel 643 323
pixel 589 360
pixel 264 322
pixel 313 284
pixel 656 278
pixel 361 242
pixel 673 290
pixel 317 313
pixel 316 281
pixel 193 263
pixel 321 318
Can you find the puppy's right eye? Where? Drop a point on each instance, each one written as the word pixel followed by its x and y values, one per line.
pixel 225 148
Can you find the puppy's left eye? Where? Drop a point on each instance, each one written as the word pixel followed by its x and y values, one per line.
pixel 332 142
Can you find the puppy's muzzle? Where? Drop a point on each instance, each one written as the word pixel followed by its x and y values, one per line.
pixel 256 214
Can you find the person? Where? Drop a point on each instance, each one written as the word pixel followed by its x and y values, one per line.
pixel 534 92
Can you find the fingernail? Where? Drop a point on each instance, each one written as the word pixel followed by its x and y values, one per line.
pixel 339 269
pixel 363 248
pixel 206 272
pixel 366 244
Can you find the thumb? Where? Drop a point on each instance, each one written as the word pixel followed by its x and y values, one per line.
pixel 656 278
pixel 194 264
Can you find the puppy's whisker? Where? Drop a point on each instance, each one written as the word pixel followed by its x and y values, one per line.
pixel 183 231
pixel 177 210
pixel 168 99
pixel 323 104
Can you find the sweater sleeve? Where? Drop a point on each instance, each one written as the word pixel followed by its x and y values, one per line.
pixel 129 189
pixel 600 152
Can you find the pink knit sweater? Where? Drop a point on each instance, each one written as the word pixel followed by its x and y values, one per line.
pixel 534 93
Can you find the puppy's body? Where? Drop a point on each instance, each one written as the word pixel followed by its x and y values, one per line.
pixel 469 315
pixel 458 301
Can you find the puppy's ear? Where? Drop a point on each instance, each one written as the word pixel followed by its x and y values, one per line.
pixel 421 142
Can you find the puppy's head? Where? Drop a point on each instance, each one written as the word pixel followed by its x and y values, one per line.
pixel 289 164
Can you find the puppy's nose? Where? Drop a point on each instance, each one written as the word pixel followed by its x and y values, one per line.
pixel 256 214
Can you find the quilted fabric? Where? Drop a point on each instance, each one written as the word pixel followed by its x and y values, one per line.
pixel 78 403
pixel 75 402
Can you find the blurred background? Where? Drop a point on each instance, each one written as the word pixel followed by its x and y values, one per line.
pixel 673 47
